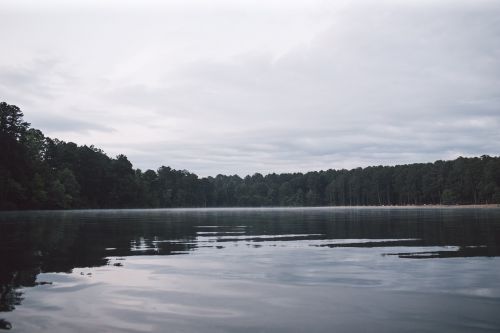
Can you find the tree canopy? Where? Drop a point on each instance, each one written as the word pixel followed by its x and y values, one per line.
pixel 37 172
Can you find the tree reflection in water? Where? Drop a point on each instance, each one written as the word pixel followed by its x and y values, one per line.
pixel 36 242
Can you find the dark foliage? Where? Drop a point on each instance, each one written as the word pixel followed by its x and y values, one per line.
pixel 37 172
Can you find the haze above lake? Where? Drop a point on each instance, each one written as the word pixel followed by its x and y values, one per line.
pixel 251 270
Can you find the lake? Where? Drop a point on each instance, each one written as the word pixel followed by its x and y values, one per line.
pixel 251 270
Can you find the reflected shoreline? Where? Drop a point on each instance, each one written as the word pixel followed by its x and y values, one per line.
pixel 62 241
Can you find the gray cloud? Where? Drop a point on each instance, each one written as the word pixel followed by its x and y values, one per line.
pixel 31 82
pixel 59 124
pixel 41 83
pixel 331 86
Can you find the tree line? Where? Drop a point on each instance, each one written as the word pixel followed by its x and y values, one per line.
pixel 38 172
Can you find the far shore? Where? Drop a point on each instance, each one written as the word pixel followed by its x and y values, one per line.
pixel 430 206
pixel 478 206
pixel 391 206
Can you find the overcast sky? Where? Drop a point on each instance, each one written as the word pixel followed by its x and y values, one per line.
pixel 245 86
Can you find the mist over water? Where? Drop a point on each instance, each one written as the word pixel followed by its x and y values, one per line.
pixel 251 270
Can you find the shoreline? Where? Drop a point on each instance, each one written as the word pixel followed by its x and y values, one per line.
pixel 479 206
pixel 428 206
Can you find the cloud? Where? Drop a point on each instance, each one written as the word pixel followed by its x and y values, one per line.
pixel 58 124
pixel 333 85
pixel 43 82
pixel 39 79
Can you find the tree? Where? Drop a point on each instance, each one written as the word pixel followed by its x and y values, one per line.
pixel 11 121
pixel 41 172
pixel 449 197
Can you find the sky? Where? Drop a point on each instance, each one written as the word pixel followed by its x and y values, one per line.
pixel 245 86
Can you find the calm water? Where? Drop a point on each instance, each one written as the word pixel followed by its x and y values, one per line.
pixel 251 270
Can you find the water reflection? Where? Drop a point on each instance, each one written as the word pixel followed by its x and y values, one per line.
pixel 32 243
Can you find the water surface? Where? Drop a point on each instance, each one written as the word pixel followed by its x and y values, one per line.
pixel 251 270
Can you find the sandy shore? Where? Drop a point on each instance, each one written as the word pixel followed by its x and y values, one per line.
pixel 435 206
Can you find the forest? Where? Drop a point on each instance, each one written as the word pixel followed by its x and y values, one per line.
pixel 38 172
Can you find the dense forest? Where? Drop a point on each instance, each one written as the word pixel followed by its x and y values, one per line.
pixel 37 172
